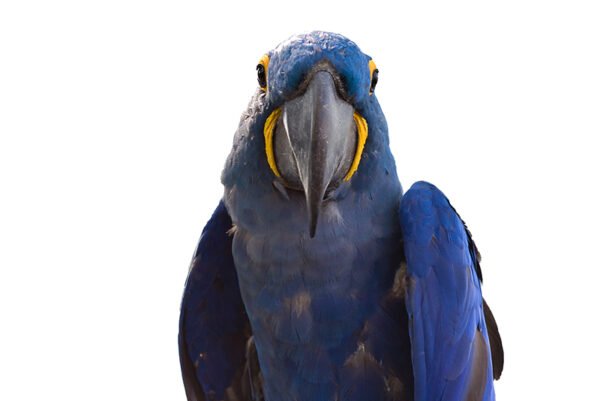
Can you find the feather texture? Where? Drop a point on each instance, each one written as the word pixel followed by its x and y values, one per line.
pixel 382 304
pixel 450 345
pixel 213 327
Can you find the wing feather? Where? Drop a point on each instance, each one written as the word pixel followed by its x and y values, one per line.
pixel 447 323
pixel 213 326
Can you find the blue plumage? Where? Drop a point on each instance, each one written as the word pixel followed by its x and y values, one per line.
pixel 212 320
pixel 448 330
pixel 275 311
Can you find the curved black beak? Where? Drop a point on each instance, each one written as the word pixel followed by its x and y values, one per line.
pixel 319 143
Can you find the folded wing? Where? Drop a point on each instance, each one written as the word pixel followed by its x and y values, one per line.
pixel 213 327
pixel 450 338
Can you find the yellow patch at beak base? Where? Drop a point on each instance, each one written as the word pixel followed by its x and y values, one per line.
pixel 363 132
pixel 268 131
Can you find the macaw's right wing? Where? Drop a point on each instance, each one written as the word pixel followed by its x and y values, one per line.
pixel 213 326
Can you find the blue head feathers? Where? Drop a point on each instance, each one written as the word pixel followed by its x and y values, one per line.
pixel 314 127
pixel 294 58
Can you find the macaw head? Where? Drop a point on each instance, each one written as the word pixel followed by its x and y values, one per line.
pixel 317 122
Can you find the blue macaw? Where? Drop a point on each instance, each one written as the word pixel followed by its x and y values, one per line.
pixel 316 279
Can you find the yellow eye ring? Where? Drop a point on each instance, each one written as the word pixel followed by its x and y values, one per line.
pixel 262 71
pixel 374 75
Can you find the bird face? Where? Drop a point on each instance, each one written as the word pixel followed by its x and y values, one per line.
pixel 314 86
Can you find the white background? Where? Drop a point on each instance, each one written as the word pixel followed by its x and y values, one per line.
pixel 116 118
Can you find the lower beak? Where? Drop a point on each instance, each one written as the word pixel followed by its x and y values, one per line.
pixel 319 142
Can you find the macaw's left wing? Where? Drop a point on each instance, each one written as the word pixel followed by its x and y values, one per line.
pixel 454 337
pixel 213 326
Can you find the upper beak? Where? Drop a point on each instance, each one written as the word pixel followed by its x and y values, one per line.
pixel 319 143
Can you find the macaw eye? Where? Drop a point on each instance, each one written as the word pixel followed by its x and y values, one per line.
pixel 262 76
pixel 374 79
pixel 261 72
pixel 374 76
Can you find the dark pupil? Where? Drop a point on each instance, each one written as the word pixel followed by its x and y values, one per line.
pixel 374 79
pixel 262 77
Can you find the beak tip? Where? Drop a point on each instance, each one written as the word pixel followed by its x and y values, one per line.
pixel 313 217
pixel 313 230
